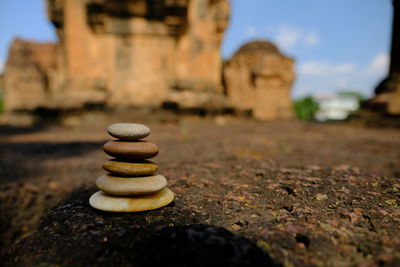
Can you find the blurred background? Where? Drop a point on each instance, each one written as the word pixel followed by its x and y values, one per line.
pixel 276 119
pixel 264 59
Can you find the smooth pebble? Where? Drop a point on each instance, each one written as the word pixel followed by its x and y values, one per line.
pixel 124 186
pixel 128 131
pixel 106 202
pixel 122 168
pixel 131 150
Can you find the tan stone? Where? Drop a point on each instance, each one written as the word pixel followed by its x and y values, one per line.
pixel 124 186
pixel 106 202
pixel 1 83
pixel 258 78
pixel 387 96
pixel 117 53
pixel 28 75
pixel 121 53
pixel 139 168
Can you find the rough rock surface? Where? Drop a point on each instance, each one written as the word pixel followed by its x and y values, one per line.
pixel 308 194
pixel 74 234
pixel 258 78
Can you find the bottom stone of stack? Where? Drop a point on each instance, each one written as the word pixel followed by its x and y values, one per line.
pixel 129 186
pixel 106 202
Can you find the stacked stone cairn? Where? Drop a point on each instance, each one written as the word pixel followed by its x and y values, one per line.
pixel 131 184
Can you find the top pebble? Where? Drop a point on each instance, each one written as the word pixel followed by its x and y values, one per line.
pixel 128 131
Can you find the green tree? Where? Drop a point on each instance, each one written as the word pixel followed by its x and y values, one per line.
pixel 306 108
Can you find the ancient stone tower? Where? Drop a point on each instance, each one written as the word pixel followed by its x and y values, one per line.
pixel 387 98
pixel 258 79
pixel 129 53
pixel 121 52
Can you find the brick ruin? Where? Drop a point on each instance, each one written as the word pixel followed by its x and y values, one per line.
pixel 387 98
pixel 123 53
pixel 258 79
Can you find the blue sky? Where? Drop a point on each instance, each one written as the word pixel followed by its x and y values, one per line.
pixel 337 44
pixel 26 19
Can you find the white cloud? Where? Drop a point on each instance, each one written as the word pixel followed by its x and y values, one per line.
pixel 251 31
pixel 311 39
pixel 343 82
pixel 343 68
pixel 379 64
pixel 322 76
pixel 320 68
pixel 288 36
pixel 326 77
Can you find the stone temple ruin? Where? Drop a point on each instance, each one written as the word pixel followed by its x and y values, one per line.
pixel 124 53
pixel 258 78
pixel 387 93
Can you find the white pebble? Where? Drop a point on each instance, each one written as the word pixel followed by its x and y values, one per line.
pixel 128 131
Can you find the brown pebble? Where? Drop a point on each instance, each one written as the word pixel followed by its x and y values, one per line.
pixel 131 150
pixel 137 168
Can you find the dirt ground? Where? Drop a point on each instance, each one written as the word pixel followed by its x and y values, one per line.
pixel 306 193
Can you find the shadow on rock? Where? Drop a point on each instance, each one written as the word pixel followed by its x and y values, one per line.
pixel 22 160
pixel 58 150
pixel 74 234
pixel 7 130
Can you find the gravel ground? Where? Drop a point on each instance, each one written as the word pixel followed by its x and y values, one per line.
pixel 306 193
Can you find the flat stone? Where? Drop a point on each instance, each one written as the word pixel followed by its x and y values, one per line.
pixel 106 202
pixel 131 186
pixel 128 131
pixel 123 168
pixel 129 150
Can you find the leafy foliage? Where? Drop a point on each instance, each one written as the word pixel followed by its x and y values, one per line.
pixel 306 108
